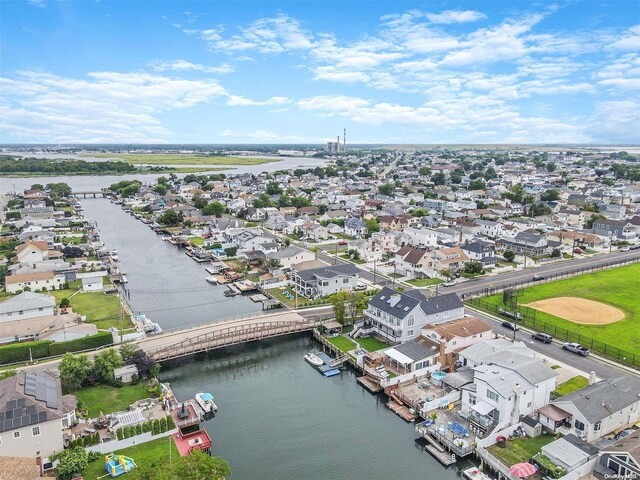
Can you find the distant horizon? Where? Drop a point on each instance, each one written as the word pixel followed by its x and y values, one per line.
pixel 436 144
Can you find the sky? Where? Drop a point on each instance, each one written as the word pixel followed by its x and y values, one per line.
pixel 390 72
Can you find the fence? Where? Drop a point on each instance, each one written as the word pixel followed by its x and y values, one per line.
pixel 527 318
pixel 549 277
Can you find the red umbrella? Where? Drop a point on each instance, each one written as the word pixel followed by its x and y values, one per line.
pixel 522 470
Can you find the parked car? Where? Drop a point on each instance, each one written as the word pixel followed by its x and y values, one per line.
pixel 360 287
pixel 511 326
pixel 342 243
pixel 537 277
pixel 577 250
pixel 450 283
pixel 576 348
pixel 635 247
pixel 543 337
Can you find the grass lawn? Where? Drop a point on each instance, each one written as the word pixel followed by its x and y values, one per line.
pixel 197 241
pixel 520 449
pixel 343 343
pixel 143 454
pixel 343 236
pixel 346 257
pixel 160 159
pixel 101 309
pixel 371 344
pixel 617 287
pixel 425 282
pixel 277 294
pixel 107 399
pixel 571 385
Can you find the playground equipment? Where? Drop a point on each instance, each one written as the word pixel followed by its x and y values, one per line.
pixel 117 466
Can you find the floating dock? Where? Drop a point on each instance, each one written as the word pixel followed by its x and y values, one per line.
pixel 327 369
pixel 369 384
pixel 401 410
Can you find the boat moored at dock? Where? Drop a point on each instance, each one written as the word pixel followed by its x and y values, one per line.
pixel 205 400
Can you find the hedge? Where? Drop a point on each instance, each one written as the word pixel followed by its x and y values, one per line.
pixel 154 426
pixel 86 343
pixel 19 352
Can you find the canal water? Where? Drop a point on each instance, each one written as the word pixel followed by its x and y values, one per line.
pixel 278 417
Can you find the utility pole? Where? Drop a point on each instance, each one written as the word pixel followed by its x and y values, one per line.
pixel 121 313
pixel 374 271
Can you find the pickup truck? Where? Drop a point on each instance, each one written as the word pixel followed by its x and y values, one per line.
pixel 576 348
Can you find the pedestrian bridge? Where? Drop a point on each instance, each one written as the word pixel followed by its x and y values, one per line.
pixel 202 338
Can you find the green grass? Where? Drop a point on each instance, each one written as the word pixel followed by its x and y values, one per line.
pixel 143 454
pixel 371 344
pixel 198 241
pixel 520 449
pixel 107 399
pixel 616 287
pixel 101 309
pixel 177 159
pixel 571 385
pixel 425 282
pixel 277 294
pixel 342 343
pixel 346 257
pixel 343 236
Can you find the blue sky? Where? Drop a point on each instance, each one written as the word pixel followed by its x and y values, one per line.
pixel 299 72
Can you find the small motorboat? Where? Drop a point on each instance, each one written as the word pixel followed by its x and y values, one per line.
pixel 211 279
pixel 313 359
pixel 205 400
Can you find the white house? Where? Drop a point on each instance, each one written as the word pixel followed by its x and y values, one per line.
pixel 595 410
pixel 505 387
pixel 39 413
pixel 26 305
pixel 30 252
pixel 34 281
pixel 292 255
pixel 323 281
pixel 457 335
pixel 489 228
pixel 419 237
pixel 92 284
pixel 399 317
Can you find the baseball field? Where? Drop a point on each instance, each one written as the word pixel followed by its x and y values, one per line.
pixel 604 305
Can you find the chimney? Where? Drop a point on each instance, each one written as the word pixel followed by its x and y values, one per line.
pixel 39 463
pixel 592 378
pixel 443 357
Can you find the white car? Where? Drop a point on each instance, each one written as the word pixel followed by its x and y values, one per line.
pixel 359 287
pixel 450 283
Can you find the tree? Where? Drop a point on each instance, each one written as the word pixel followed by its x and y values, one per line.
pixel 551 167
pixel 387 189
pixel 161 189
pixel 287 242
pixel 473 268
pixel 446 273
pixel 490 174
pixel 127 351
pixel 170 218
pixel 338 301
pixel 64 303
pixel 509 256
pixel 72 252
pixel 555 253
pixel 550 195
pixel 590 221
pixel 103 365
pixel 272 263
pixel 37 186
pixel 273 188
pixel 144 363
pixel 216 209
pixel 198 465
pixel 74 370
pixel 477 184
pixel 372 225
pixel 72 462
pixel 424 171
pixel 439 178
pixel 356 302
pixel 199 202
pixel 538 209
pixel 59 189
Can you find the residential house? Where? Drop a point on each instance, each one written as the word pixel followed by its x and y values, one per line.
pixel 26 305
pixel 480 251
pixel 34 413
pixel 525 243
pixel 597 409
pixel 489 228
pixel 620 229
pixel 412 356
pixel 316 231
pixel 577 239
pixel 620 459
pixel 398 223
pixel 412 262
pixel 399 317
pixel 323 281
pixel 368 250
pixel 292 255
pixel 457 335
pixel 569 452
pixel 276 222
pixel 355 227
pixel 419 237
pixel 507 387
pixel 30 252
pixel 34 281
pixel 452 259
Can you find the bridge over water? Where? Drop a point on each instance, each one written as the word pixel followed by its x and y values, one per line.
pixel 202 338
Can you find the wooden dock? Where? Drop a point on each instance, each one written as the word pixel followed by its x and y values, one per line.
pixel 443 457
pixel 369 384
pixel 401 410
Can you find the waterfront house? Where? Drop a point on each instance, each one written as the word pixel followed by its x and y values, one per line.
pixel 621 458
pixel 34 281
pixel 320 282
pixel 413 356
pixel 457 335
pixel 597 409
pixel 569 452
pixel 33 414
pixel 399 317
pixel 292 255
pixel 26 305
pixel 506 387
pixel 31 251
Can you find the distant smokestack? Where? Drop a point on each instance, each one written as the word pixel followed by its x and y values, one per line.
pixel 344 139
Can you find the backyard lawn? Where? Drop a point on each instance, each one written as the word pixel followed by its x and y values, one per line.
pixel 371 344
pixel 425 282
pixel 197 241
pixel 616 287
pixel 101 309
pixel 346 257
pixel 278 294
pixel 143 454
pixel 342 343
pixel 570 385
pixel 107 399
pixel 520 449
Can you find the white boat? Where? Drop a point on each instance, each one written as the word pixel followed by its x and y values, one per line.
pixel 474 473
pixel 313 359
pixel 211 279
pixel 205 400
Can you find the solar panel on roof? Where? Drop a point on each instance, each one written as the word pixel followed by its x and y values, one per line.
pixel 11 404
pixel 31 409
pixel 17 423
pixel 42 417
pixel 33 418
pixel 8 414
pixel 20 402
pixel 1 416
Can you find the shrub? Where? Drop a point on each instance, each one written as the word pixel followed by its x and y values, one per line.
pixel 170 423
pixel 19 352
pixel 93 341
pixel 119 434
pixel 138 429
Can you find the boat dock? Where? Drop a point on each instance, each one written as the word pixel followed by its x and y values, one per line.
pixel 369 384
pixel 443 457
pixel 401 409
pixel 328 370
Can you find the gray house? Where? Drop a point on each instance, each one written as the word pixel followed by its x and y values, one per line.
pixel 620 229
pixel 320 282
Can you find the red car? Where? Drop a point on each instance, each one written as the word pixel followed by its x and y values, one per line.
pixel 343 243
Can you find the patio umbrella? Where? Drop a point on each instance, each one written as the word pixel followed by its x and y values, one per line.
pixel 522 470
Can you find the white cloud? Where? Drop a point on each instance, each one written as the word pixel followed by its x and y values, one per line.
pixel 629 40
pixel 38 3
pixel 615 121
pixel 455 16
pixel 104 107
pixel 184 65
pixel 238 101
